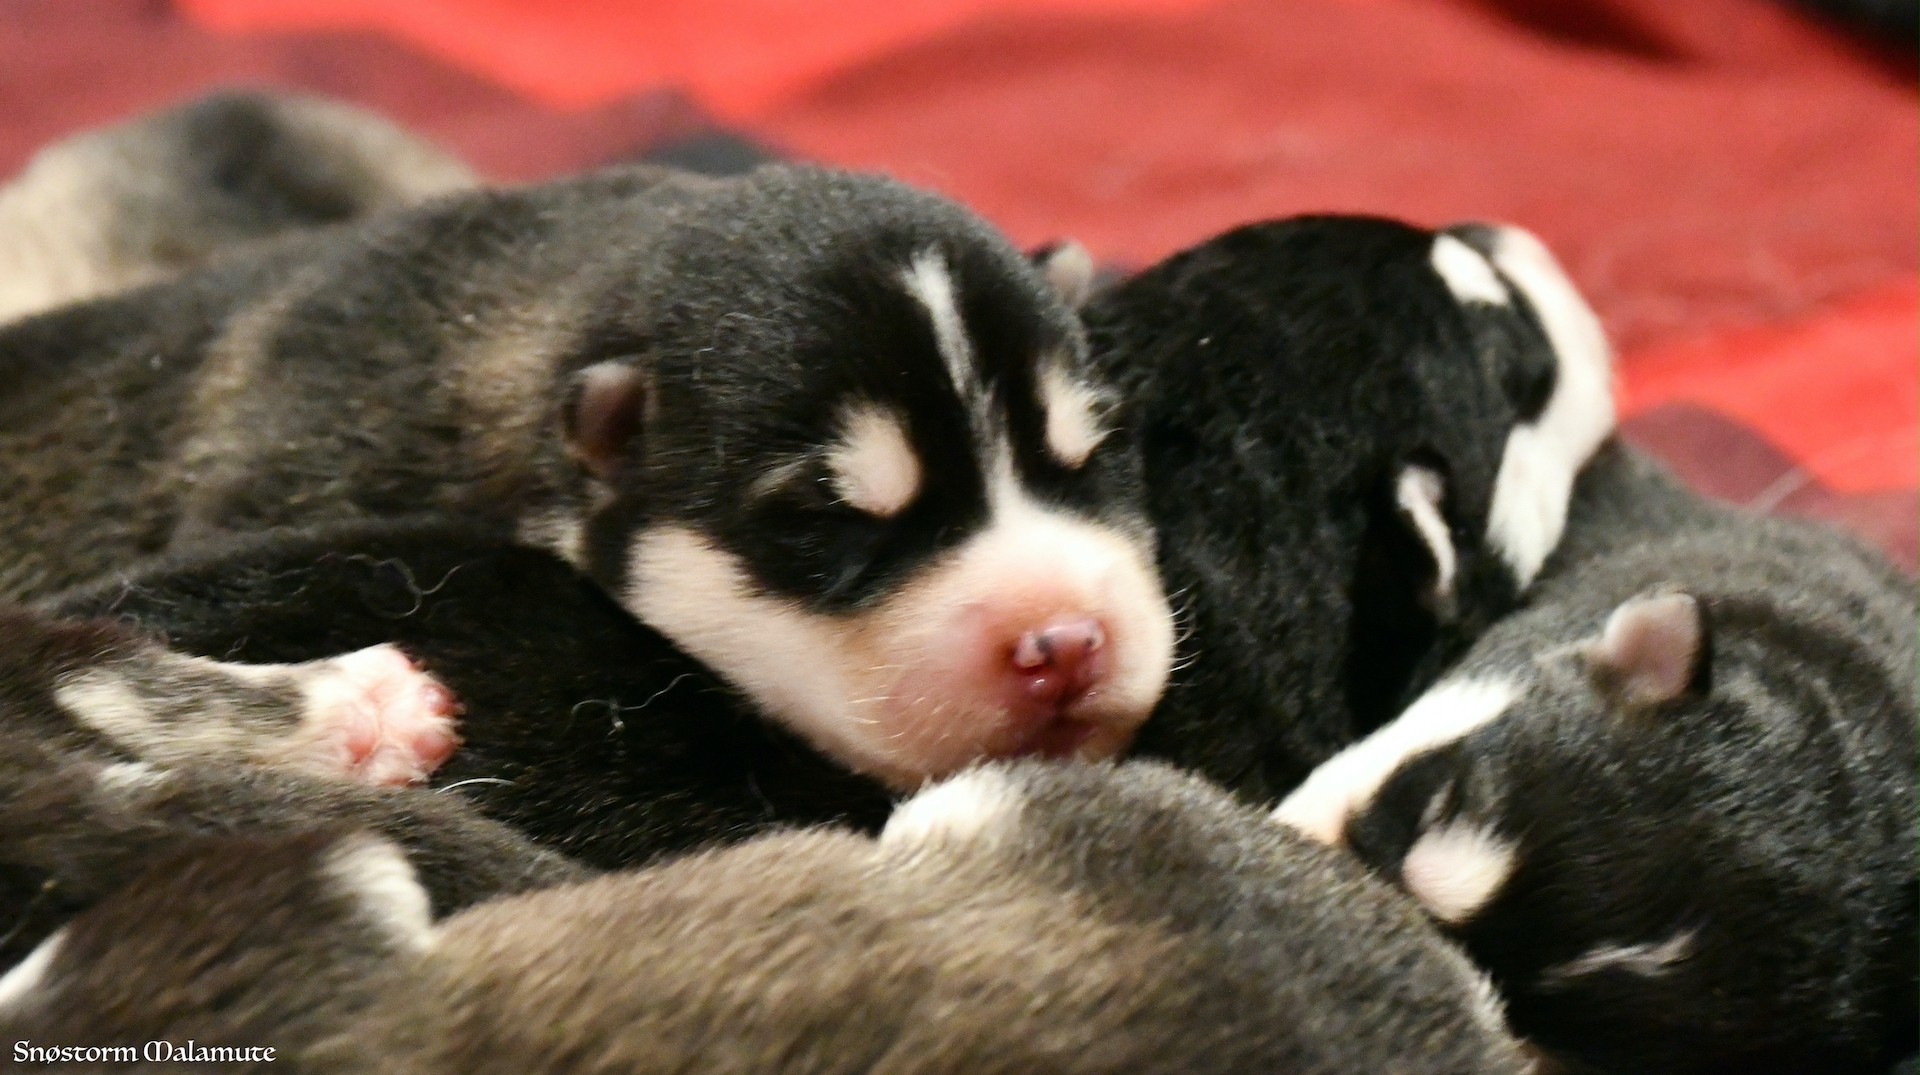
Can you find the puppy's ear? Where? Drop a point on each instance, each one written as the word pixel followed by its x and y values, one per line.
pixel 1653 650
pixel 607 405
pixel 1420 494
pixel 1069 269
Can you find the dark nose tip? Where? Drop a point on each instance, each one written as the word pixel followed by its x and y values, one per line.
pixel 1061 660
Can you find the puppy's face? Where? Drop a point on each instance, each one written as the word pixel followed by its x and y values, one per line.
pixel 879 491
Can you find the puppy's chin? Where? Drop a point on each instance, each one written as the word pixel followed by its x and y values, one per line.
pixel 1054 642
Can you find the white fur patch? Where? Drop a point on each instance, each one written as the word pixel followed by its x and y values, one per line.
pixel 1541 459
pixel 1468 274
pixel 874 466
pixel 977 804
pixel 561 533
pixel 129 777
pixel 929 280
pixel 103 701
pixel 1320 807
pixel 376 875
pixel 1072 408
pixel 1419 492
pixel 27 974
pixel 1646 960
pixel 1456 869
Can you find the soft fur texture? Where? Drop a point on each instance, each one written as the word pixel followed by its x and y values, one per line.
pixel 1694 805
pixel 1033 918
pixel 1288 378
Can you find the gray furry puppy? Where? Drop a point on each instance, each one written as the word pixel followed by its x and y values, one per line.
pixel 1670 806
pixel 144 200
pixel 1014 919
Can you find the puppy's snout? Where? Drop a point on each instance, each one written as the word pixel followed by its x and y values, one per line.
pixel 1060 661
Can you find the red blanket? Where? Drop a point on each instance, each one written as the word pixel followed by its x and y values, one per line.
pixel 1737 187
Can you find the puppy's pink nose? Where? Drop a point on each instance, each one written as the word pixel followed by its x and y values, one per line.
pixel 1061 661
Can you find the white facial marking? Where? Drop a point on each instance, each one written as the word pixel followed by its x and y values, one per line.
pixel 1537 470
pixel 1071 407
pixel 376 875
pixel 27 974
pixel 1646 960
pixel 874 466
pixel 1456 869
pixel 977 804
pixel 1320 807
pixel 929 280
pixel 1467 273
pixel 1419 492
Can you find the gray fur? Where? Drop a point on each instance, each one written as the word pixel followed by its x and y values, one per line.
pixel 144 200
pixel 1097 919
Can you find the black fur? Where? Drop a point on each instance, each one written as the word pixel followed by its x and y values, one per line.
pixel 1283 375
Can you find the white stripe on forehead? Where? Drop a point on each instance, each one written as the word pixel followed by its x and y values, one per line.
pixel 1535 481
pixel 1467 273
pixel 1346 783
pixel 930 281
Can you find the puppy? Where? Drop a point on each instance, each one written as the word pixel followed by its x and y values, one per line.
pixel 1014 919
pixel 153 197
pixel 1669 806
pixel 829 434
pixel 1359 439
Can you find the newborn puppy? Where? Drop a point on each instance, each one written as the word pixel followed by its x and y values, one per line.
pixel 831 435
pixel 1359 440
pixel 1014 919
pixel 114 208
pixel 1669 806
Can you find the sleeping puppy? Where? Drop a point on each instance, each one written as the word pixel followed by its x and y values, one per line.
pixel 1359 439
pixel 1014 919
pixel 1669 806
pixel 829 434
pixel 153 197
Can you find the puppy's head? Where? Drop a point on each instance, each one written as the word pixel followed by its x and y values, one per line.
pixel 855 460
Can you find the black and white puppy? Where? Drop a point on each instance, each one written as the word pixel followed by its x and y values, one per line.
pixel 1671 805
pixel 1013 919
pixel 160 194
pixel 1359 439
pixel 831 435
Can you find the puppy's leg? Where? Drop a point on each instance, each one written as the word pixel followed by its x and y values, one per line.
pixel 370 715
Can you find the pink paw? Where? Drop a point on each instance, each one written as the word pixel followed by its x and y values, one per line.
pixel 375 717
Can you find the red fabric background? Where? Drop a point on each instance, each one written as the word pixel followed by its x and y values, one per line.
pixel 1736 187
